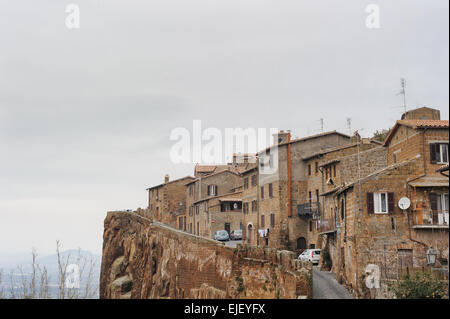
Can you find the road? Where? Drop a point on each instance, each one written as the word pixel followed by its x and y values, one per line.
pixel 325 286
pixel 233 243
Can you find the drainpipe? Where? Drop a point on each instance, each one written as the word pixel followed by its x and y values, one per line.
pixel 289 175
pixel 258 200
pixel 407 190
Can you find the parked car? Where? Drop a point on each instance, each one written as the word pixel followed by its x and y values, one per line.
pixel 312 255
pixel 236 234
pixel 221 235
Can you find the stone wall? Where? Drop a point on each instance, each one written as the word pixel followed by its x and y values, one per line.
pixel 145 259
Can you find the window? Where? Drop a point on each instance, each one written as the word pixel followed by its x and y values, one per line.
pixel 394 158
pixel 212 190
pixel 253 180
pixel 270 190
pixel 272 220
pixel 262 192
pixel 309 169
pixel 317 195
pixel 191 210
pixel 310 197
pixel 380 203
pixel 191 190
pixel 439 204
pixel 263 224
pixel 310 226
pixel 342 209
pixel 316 167
pixel 246 183
pixel 196 210
pixel 245 208
pixel 254 206
pixel 439 153
pixel 334 170
pixel 326 173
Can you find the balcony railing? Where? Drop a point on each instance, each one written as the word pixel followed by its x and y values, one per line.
pixel 327 225
pixel 310 209
pixel 434 218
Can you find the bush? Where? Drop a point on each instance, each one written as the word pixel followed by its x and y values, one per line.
pixel 326 259
pixel 420 286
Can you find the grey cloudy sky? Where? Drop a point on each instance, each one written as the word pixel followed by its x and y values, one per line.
pixel 85 114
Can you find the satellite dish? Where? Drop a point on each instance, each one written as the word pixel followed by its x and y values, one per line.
pixel 404 203
pixel 235 205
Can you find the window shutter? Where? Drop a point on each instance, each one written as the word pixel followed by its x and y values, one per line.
pixel 215 190
pixel 434 201
pixel 370 204
pixel 391 203
pixel 433 148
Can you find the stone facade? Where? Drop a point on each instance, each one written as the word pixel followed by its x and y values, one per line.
pixel 360 232
pixel 167 201
pixel 197 191
pixel 145 259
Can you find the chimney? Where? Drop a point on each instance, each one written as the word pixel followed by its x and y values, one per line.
pixel 281 137
pixel 166 179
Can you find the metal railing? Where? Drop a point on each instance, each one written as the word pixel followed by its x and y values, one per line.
pixel 327 224
pixel 310 209
pixel 434 218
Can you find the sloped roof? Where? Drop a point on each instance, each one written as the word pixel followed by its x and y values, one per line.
pixel 417 124
pixel 173 181
pixel 306 138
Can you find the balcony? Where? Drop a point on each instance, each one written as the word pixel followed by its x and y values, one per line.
pixel 434 219
pixel 310 209
pixel 327 225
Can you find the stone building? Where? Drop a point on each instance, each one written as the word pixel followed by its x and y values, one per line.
pixel 222 212
pixel 250 215
pixel 365 226
pixel 204 187
pixel 282 185
pixel 329 169
pixel 167 201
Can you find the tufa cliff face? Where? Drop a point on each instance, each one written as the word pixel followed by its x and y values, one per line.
pixel 142 259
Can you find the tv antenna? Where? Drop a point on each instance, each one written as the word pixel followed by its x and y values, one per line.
pixel 403 92
pixel 349 125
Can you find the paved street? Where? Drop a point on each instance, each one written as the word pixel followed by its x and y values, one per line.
pixel 233 243
pixel 325 286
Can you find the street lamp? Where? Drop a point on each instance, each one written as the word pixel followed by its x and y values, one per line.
pixel 431 256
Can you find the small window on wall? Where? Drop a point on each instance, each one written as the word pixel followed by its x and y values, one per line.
pixel 380 203
pixel 309 169
pixel 439 153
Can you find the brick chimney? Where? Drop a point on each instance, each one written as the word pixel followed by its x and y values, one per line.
pixel 166 179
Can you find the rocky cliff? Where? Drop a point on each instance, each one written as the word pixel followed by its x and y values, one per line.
pixel 145 259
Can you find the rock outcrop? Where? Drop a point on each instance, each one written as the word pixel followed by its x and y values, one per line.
pixel 145 259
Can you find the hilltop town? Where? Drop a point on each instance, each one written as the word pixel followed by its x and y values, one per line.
pixel 331 191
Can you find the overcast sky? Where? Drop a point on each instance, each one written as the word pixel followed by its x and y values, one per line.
pixel 85 114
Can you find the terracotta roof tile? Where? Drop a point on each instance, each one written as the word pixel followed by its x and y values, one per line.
pixel 424 123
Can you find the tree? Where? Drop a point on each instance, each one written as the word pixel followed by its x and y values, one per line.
pixel 380 136
pixel 36 285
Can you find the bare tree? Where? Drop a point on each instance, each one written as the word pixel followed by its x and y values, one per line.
pixel 35 283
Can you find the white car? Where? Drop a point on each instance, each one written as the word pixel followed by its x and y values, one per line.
pixel 312 255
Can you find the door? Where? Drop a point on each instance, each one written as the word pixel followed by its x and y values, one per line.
pixel 228 228
pixel 301 243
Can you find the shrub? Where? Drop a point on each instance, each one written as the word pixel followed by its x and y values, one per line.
pixel 420 286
